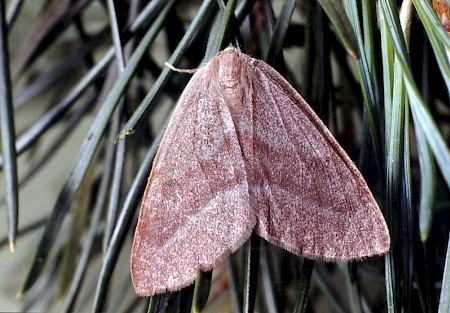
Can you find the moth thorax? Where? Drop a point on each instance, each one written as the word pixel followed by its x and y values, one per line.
pixel 229 68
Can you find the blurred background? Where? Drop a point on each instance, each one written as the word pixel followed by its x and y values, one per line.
pixel 85 98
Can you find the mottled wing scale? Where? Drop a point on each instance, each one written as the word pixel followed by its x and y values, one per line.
pixel 195 209
pixel 244 151
pixel 312 199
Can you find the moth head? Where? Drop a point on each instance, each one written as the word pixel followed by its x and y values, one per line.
pixel 228 68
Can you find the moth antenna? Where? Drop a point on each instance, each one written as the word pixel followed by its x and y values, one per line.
pixel 180 70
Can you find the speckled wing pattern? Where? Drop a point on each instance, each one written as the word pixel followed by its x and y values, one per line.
pixel 312 199
pixel 245 152
pixel 196 207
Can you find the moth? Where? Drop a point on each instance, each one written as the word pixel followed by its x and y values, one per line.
pixel 245 153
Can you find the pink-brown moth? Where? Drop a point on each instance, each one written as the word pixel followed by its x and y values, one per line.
pixel 244 152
